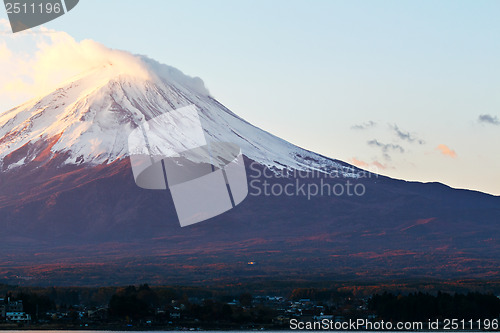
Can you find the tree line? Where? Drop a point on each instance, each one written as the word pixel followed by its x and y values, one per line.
pixel 423 306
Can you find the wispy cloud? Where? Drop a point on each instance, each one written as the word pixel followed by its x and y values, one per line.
pixel 447 151
pixel 380 165
pixel 386 147
pixel 365 165
pixel 56 58
pixel 358 163
pixel 489 119
pixel 364 125
pixel 406 136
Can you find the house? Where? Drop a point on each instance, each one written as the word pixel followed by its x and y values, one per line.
pixel 13 311
pixel 98 314
pixel 17 317
pixel 175 315
pixel 322 317
pixel 14 306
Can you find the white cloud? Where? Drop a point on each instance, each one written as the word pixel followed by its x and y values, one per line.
pixel 37 62
pixel 55 58
pixel 4 25
pixel 5 53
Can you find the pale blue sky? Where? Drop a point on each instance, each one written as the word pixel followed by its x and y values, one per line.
pixel 308 71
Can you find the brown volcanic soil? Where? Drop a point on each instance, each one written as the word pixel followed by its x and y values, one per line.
pixel 84 225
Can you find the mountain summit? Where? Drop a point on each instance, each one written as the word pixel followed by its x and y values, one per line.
pixel 89 119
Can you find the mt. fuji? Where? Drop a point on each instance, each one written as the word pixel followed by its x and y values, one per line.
pixel 71 214
pixel 89 120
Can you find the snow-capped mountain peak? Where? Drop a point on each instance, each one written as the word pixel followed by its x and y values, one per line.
pixel 89 118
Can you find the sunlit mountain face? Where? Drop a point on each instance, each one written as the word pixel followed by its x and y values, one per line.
pixel 71 213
